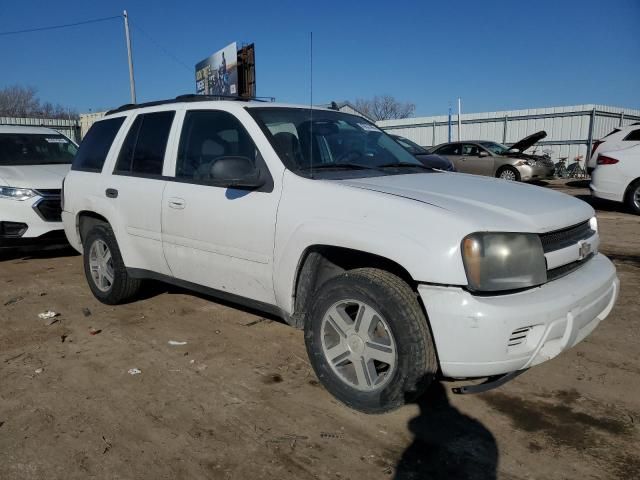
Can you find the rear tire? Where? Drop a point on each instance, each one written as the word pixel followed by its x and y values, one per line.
pixel 508 173
pixel 103 266
pixel 374 369
pixel 632 198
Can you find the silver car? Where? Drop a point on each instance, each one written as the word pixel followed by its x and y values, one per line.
pixel 483 157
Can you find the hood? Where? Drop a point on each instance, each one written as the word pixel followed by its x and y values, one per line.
pixel 485 203
pixel 34 176
pixel 527 142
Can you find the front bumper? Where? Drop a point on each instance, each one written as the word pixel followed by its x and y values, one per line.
pixel 536 172
pixel 38 229
pixel 479 336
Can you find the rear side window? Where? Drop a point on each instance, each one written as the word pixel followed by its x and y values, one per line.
pixel 633 136
pixel 96 144
pixel 142 152
pixel 453 149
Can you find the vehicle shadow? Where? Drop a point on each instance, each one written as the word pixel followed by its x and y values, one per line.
pixel 153 288
pixel 33 253
pixel 447 443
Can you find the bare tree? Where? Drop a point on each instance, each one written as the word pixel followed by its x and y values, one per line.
pixel 384 107
pixel 19 101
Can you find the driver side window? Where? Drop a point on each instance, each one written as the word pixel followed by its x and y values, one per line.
pixel 470 150
pixel 207 136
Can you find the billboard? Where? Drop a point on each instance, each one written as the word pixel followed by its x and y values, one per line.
pixel 218 74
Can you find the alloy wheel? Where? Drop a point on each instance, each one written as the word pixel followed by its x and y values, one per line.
pixel 358 345
pixel 101 265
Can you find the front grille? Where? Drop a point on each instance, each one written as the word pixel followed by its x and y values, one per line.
pixel 518 336
pixel 566 237
pixel 49 209
pixel 49 192
pixel 563 270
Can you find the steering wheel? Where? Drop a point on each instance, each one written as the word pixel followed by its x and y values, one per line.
pixel 348 154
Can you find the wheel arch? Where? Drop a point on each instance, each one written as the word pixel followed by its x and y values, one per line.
pixel 319 263
pixel 86 219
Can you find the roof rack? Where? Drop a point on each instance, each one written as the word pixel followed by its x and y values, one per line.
pixel 189 97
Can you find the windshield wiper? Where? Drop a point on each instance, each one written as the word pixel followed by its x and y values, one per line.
pixel 403 165
pixel 344 166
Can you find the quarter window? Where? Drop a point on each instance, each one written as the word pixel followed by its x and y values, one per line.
pixel 633 136
pixel 96 144
pixel 207 136
pixel 142 152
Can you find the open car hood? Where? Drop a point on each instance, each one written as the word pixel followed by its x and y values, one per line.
pixel 527 142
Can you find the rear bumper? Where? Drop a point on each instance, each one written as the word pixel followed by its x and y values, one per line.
pixel 479 336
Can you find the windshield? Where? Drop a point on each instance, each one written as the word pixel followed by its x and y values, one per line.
pixel 494 147
pixel 332 140
pixel 412 147
pixel 35 149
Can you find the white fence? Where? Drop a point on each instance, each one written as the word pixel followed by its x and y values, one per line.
pixel 68 127
pixel 570 130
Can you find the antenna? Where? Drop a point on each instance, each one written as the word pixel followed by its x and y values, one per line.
pixel 311 104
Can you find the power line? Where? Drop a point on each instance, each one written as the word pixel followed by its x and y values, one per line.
pixel 55 27
pixel 164 50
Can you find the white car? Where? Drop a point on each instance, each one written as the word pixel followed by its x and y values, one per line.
pixel 617 177
pixel 618 139
pixel 33 162
pixel 397 273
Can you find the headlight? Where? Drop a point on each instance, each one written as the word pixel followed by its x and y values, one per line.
pixel 503 261
pixel 13 193
pixel 531 163
pixel 593 224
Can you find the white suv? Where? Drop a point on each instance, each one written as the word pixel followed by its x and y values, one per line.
pixel 619 138
pixel 397 273
pixel 33 162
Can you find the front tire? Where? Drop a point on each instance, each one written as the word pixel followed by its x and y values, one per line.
pixel 508 173
pixel 105 271
pixel 368 341
pixel 632 199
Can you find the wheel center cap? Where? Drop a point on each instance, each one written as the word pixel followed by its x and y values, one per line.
pixel 356 344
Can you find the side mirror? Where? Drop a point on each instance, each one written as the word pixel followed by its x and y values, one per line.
pixel 236 172
pixel 482 153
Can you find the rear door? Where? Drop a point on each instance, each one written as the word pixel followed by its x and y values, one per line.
pixel 219 237
pixel 453 152
pixel 135 189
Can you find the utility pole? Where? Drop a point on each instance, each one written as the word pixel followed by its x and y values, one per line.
pixel 132 82
pixel 459 119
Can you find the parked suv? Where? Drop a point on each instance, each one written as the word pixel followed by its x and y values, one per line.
pixel 33 162
pixel 397 273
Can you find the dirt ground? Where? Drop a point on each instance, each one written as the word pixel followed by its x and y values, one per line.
pixel 240 400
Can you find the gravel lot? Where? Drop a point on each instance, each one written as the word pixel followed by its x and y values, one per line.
pixel 240 400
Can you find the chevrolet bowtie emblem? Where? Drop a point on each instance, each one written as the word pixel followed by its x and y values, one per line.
pixel 584 249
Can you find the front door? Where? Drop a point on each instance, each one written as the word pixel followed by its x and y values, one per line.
pixel 473 162
pixel 215 236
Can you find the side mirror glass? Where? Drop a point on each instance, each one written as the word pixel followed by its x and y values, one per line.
pixel 482 153
pixel 236 172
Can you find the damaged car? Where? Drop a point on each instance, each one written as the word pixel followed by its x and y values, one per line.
pixel 492 159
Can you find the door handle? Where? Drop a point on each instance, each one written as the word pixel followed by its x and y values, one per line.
pixel 111 193
pixel 177 203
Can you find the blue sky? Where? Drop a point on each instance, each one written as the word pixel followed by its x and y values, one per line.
pixel 494 54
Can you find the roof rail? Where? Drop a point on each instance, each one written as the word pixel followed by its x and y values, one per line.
pixel 189 97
